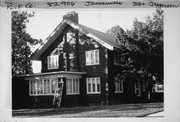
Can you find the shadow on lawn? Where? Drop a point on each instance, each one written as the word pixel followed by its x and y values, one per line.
pixel 80 109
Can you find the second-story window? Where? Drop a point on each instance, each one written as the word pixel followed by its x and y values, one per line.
pixel 92 57
pixel 53 62
pixel 117 59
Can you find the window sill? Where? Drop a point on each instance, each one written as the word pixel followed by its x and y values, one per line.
pixel 72 93
pixel 41 94
pixel 117 64
pixel 93 92
pixel 91 64
pixel 118 92
pixel 52 68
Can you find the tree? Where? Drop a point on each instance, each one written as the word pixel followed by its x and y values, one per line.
pixel 21 42
pixel 142 47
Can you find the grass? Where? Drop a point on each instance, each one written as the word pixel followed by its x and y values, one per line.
pixel 121 110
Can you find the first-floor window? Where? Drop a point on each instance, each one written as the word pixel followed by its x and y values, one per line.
pixel 137 88
pixel 118 86
pixel 43 86
pixel 72 86
pixel 93 85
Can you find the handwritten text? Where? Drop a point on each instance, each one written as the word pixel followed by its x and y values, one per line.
pixel 63 3
pixel 91 3
pixel 11 5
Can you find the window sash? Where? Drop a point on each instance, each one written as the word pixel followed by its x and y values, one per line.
pixel 42 87
pixel 92 57
pixel 72 86
pixel 93 85
pixel 137 89
pixel 53 62
pixel 119 87
pixel 117 59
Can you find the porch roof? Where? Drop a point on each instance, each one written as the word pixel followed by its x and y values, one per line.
pixel 55 74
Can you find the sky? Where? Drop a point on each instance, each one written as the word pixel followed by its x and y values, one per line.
pixel 45 21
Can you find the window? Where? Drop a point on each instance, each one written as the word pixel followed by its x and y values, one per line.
pixel 43 87
pixel 159 88
pixel 117 59
pixel 72 86
pixel 53 61
pixel 92 57
pixel 118 86
pixel 93 85
pixel 137 88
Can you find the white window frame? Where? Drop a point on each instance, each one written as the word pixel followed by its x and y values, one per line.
pixel 97 82
pixel 74 89
pixel 53 62
pixel 45 87
pixel 92 57
pixel 156 88
pixel 119 87
pixel 137 88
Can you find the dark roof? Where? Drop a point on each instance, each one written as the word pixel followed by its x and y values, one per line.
pixel 106 40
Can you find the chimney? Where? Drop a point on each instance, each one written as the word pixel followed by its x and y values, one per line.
pixel 73 16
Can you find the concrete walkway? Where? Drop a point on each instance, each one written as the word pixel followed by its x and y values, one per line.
pixel 158 114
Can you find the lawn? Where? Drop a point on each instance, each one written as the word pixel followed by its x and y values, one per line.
pixel 121 110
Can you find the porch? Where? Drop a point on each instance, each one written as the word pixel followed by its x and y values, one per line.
pixel 42 87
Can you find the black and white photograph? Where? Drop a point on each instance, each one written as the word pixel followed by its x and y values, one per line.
pixel 89 63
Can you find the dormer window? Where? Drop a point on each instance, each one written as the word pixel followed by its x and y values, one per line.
pixel 53 62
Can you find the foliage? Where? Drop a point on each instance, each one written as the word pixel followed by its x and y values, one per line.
pixel 142 47
pixel 21 42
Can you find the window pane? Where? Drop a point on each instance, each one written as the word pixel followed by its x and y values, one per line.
pixel 36 88
pixel 98 84
pixel 53 61
pixel 87 58
pixel 53 85
pixel 67 86
pixel 70 85
pixel 89 84
pixel 43 86
pixel 77 86
pixel 31 86
pixel 97 56
pixel 93 85
pixel 92 57
pixel 74 85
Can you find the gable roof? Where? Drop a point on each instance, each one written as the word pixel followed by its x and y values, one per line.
pixel 106 40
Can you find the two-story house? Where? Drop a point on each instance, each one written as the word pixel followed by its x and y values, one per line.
pixel 86 61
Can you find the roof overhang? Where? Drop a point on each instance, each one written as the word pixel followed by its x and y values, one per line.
pixel 59 29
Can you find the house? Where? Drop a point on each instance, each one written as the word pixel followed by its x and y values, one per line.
pixel 84 62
